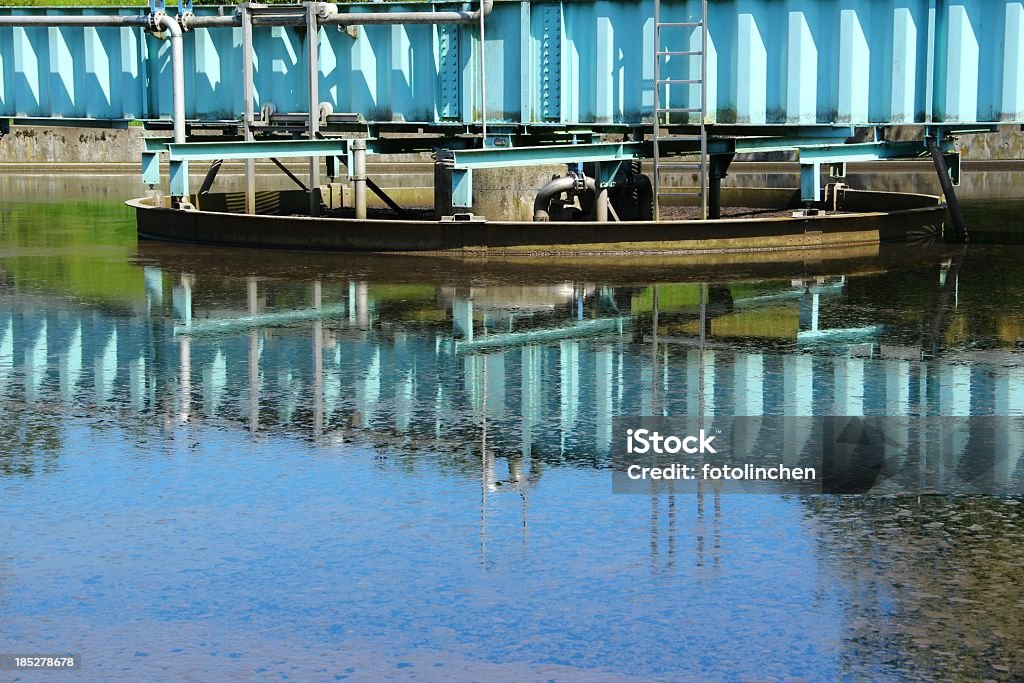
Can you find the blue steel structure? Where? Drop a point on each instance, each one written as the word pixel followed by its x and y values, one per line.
pixel 798 74
pixel 549 65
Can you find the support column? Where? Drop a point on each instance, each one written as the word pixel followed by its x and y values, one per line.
pixel 947 189
pixel 358 148
pixel 810 182
pixel 312 40
pixel 601 207
pixel 718 170
pixel 247 108
pixel 442 189
pixel 601 204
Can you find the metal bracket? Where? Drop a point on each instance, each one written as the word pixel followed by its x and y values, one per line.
pixel 351 31
pixel 606 171
pixel 267 111
pixel 151 168
pixel 462 188
pixel 579 180
pixel 325 110
pixel 719 166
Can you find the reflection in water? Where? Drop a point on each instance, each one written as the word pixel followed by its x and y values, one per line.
pixel 538 372
pixel 410 455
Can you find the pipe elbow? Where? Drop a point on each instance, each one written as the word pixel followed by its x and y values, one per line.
pixel 551 189
pixel 170 24
pixel 485 6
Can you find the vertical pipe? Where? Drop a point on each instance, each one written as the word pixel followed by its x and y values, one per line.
pixel 600 194
pixel 703 109
pixel 947 189
pixel 177 75
pixel 657 105
pixel 483 79
pixel 359 176
pixel 247 110
pixel 601 209
pixel 312 38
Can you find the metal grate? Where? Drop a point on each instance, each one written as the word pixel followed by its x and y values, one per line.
pixel 663 108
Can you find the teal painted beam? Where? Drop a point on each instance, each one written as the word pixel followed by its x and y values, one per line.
pixel 494 157
pixel 260 149
pixel 870 151
pixel 150 168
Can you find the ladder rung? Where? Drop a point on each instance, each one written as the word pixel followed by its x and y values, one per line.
pixel 680 53
pixel 679 24
pixel 679 194
pixel 691 110
pixel 677 138
pixel 691 81
pixel 679 164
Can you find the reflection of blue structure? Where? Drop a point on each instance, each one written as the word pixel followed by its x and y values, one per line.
pixel 358 371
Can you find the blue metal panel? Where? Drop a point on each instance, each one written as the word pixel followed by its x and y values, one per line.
pixel 582 62
pixel 1012 104
pixel 549 61
pixel 447 37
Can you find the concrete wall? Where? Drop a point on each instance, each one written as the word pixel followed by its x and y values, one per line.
pixel 93 145
pixel 506 193
pixel 72 145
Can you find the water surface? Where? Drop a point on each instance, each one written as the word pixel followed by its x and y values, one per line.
pixel 251 464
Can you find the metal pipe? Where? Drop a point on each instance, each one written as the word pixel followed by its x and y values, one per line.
pixel 96 20
pixel 483 77
pixel 359 176
pixel 357 18
pixel 177 74
pixel 248 105
pixel 554 188
pixel 313 84
pixel 139 20
pixel 601 209
pixel 193 22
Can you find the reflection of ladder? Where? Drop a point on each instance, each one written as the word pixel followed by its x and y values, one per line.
pixel 663 106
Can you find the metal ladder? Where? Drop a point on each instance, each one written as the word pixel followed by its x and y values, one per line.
pixel 661 134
